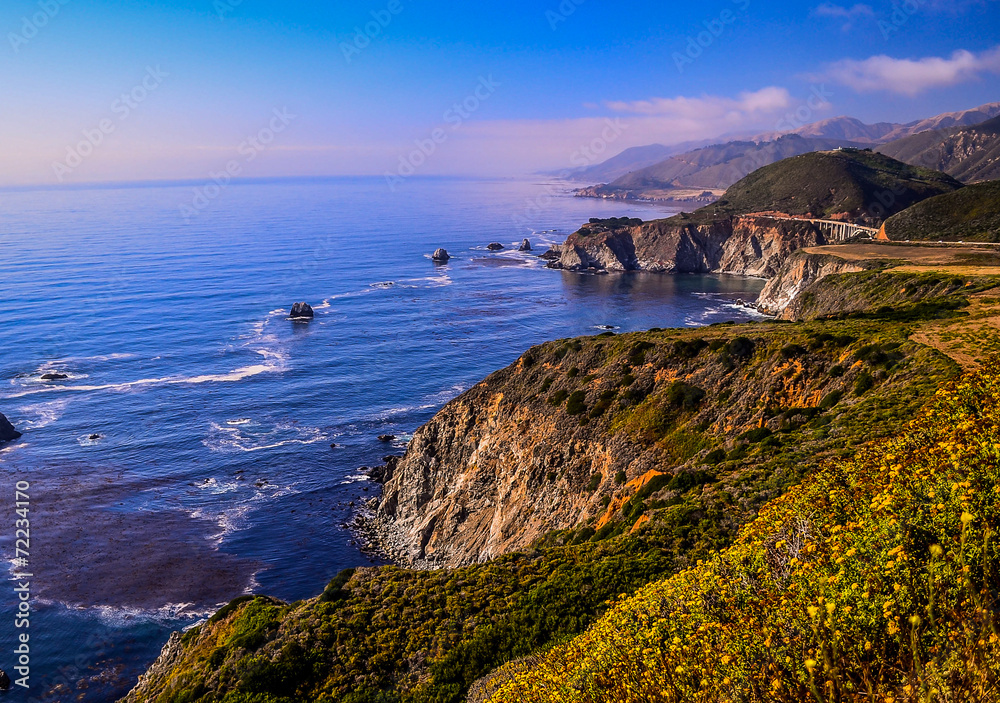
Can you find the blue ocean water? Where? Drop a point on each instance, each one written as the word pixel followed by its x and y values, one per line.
pixel 179 447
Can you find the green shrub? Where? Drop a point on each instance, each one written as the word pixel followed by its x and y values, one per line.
pixel 689 349
pixel 864 383
pixel 756 435
pixel 335 589
pixel 595 482
pixel 577 405
pixel 740 348
pixel 685 396
pixel 621 477
pixel 831 399
pixel 558 397
pixel 715 456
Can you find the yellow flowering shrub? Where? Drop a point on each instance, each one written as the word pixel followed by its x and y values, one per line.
pixel 876 579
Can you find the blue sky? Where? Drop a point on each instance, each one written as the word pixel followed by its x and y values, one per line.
pixel 541 82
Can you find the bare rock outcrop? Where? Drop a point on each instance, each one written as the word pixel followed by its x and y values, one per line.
pixel 798 273
pixel 7 431
pixel 748 245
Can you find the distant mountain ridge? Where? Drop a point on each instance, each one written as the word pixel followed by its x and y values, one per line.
pixel 970 154
pixel 855 130
pixel 683 176
pixel 713 168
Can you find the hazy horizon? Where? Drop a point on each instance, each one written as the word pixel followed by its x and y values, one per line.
pixel 101 91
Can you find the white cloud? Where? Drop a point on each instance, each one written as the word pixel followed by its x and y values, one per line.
pixel 828 9
pixel 709 107
pixel 912 76
pixel 847 14
pixel 518 146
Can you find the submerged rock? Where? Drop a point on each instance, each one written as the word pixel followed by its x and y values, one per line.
pixel 301 311
pixel 7 431
pixel 54 376
pixel 525 246
pixel 440 255
pixel 4 681
pixel 495 246
pixel 386 437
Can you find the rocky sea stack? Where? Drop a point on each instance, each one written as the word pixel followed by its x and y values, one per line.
pixel 301 311
pixel 441 255
pixel 495 246
pixel 525 245
pixel 7 431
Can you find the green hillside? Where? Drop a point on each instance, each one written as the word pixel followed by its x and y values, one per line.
pixel 865 185
pixel 971 214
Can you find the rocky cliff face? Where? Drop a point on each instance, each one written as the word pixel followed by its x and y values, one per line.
pixel 498 468
pixel 798 273
pixel 747 245
pixel 565 437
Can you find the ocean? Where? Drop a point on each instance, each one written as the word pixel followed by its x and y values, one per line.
pixel 178 427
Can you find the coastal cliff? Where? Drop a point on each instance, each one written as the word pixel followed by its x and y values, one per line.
pixel 563 439
pixel 746 245
pixel 797 274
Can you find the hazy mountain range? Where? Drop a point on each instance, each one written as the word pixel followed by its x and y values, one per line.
pixel 943 142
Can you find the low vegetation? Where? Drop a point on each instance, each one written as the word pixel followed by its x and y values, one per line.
pixel 875 580
pixel 971 214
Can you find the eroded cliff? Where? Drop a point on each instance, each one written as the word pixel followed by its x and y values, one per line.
pixel 747 245
pixel 577 427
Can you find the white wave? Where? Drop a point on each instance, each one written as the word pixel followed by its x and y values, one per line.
pixel 233 438
pixel 43 414
pixel 216 487
pixel 98 357
pixel 390 413
pixel 230 377
pixel 8 447
pixel 749 311
pixel 239 421
pixel 439 280
pixel 236 515
pixel 124 616
pixel 354 478
pixel 449 393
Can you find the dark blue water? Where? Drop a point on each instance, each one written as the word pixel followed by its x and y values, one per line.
pixel 186 456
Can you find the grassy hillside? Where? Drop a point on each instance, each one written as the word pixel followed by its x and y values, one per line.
pixel 971 214
pixel 970 154
pixel 867 186
pixel 737 414
pixel 875 580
